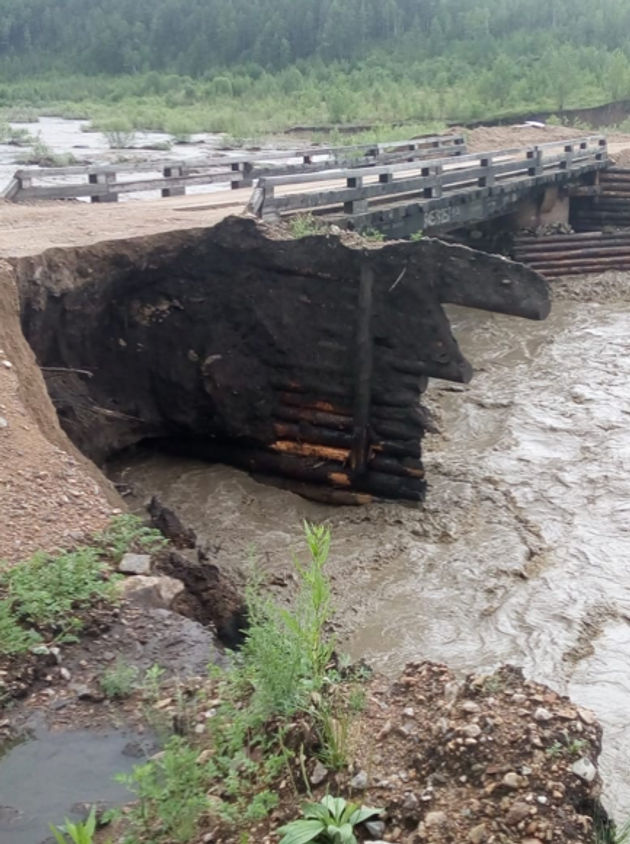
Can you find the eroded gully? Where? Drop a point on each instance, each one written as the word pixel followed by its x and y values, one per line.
pixel 522 553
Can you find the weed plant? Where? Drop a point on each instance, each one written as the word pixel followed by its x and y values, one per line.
pixel 282 672
pixel 119 681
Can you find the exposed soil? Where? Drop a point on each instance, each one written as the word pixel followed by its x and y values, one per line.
pixel 489 760
pixel 50 495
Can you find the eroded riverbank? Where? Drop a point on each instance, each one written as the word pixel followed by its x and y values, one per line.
pixel 520 552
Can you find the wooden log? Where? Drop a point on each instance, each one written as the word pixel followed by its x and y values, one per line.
pixel 594 252
pixel 320 452
pixel 306 433
pixel 310 401
pixel 314 417
pixel 325 387
pixel 363 368
pixel 391 486
pixel 580 262
pixel 390 466
pixel 399 448
pixel 397 430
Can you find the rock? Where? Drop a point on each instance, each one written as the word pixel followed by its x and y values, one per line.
pixel 135 564
pixel 516 813
pixel 65 674
pixel 3 422
pixel 478 834
pixel 410 803
pixel 586 715
pixel 435 819
pixel 320 772
pixel 472 731
pixel 409 712
pixel 513 780
pixel 470 707
pixel 542 714
pixel 375 828
pixel 84 692
pixel 152 592
pixel 359 781
pixel 584 769
pixel 7 364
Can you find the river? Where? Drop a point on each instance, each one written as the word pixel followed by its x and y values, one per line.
pixel 522 551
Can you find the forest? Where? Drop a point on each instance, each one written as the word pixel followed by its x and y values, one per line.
pixel 267 63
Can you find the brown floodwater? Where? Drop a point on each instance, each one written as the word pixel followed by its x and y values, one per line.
pixel 522 552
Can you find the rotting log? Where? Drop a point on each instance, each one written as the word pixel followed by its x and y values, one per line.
pixel 303 360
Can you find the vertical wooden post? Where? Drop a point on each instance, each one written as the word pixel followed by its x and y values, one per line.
pixel 363 373
pixel 173 173
pixel 105 178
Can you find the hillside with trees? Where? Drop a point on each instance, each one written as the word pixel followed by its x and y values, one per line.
pixel 326 60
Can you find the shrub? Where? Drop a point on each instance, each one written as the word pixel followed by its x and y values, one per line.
pixel 119 681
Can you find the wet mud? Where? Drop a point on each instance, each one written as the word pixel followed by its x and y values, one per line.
pixel 521 552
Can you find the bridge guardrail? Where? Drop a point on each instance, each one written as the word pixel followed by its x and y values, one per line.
pixel 101 183
pixel 430 181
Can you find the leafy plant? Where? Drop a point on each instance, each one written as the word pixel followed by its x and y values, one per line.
pixel 171 792
pixel 373 235
pixel 305 225
pixel 331 821
pixel 47 590
pixel 416 236
pixel 14 639
pixel 119 681
pixel 78 833
pixel 151 682
pixel 125 533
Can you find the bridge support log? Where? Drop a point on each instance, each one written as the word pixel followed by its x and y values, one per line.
pixel 302 360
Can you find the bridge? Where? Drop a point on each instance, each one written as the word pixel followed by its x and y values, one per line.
pixel 401 199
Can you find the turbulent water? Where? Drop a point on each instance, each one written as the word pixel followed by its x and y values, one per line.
pixel 522 553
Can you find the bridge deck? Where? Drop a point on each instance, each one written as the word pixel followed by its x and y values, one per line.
pixel 432 196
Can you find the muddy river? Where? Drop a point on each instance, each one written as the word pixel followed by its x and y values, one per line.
pixel 522 552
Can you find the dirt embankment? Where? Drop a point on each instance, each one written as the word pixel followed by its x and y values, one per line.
pixel 50 495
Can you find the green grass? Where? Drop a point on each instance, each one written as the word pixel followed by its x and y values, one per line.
pixel 306 225
pixel 48 594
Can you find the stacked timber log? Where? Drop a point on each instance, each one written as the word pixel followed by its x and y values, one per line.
pixel 608 204
pixel 575 254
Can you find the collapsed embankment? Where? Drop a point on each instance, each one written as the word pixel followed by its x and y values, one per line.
pixel 50 493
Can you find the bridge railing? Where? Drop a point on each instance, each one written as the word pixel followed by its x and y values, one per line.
pixel 426 180
pixel 104 183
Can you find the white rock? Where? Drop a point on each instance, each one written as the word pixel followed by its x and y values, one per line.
pixel 135 564
pixel 359 781
pixel 584 769
pixel 7 364
pixel 435 818
pixel 152 592
pixel 542 714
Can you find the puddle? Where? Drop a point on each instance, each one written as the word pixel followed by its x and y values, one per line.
pixel 43 777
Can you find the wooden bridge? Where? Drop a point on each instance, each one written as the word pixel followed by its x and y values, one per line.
pixel 106 183
pixel 403 198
